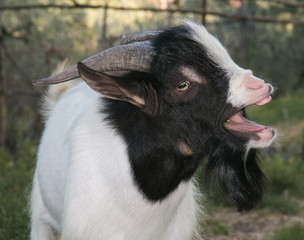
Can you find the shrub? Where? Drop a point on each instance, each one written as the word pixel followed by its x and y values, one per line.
pixel 295 232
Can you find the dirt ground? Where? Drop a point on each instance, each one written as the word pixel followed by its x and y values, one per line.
pixel 251 226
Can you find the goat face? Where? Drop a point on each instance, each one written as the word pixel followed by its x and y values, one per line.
pixel 207 93
pixel 206 87
pixel 185 103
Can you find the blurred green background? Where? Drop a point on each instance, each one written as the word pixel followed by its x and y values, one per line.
pixel 34 40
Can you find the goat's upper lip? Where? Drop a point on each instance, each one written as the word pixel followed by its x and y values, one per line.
pixel 238 124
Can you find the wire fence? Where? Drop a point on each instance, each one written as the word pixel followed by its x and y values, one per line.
pixel 203 11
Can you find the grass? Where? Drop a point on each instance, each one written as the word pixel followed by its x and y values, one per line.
pixel 294 232
pixel 279 204
pixel 286 175
pixel 15 179
pixel 284 169
pixel 217 227
pixel 286 181
pixel 285 109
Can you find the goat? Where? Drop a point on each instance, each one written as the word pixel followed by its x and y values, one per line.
pixel 118 162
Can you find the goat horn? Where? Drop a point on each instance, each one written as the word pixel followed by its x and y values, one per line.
pixel 136 56
pixel 139 36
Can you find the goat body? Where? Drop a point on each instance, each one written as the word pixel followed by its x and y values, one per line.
pixel 84 157
pixel 121 166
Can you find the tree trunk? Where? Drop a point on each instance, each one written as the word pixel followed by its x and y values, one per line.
pixel 302 153
pixel 103 35
pixel 204 8
pixel 3 109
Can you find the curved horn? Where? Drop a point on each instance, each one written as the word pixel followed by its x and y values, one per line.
pixel 132 57
pixel 139 36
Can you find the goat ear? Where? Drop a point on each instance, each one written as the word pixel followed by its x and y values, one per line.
pixel 112 87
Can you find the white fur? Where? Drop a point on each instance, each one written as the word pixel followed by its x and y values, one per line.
pixel 215 49
pixel 219 55
pixel 262 143
pixel 55 91
pixel 238 95
pixel 83 186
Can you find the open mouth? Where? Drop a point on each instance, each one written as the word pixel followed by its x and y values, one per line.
pixel 237 124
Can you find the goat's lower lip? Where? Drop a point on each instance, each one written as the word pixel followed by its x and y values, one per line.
pixel 264 101
pixel 239 126
pixel 238 123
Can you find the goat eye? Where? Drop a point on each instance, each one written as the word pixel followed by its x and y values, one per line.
pixel 183 86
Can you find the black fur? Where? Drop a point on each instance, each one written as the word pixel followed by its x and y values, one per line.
pixel 194 118
pixel 236 176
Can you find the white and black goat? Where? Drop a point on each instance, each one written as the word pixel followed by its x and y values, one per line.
pixel 116 163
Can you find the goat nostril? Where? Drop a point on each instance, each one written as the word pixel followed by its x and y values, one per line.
pixel 255 85
pixel 271 89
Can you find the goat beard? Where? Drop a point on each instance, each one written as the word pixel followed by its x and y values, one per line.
pixel 236 176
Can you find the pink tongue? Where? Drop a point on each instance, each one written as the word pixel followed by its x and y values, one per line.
pixel 239 123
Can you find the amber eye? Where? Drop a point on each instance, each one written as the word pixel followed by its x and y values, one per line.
pixel 183 86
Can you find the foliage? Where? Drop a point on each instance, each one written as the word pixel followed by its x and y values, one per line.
pixel 286 179
pixel 15 182
pixel 287 109
pixel 36 40
pixel 285 175
pixel 279 204
pixel 217 227
pixel 295 232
